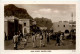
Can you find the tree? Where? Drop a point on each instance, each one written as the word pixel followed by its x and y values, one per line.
pixel 43 22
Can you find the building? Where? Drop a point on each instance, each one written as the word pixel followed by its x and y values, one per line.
pixel 63 26
pixel 14 25
pixel 25 25
pixel 73 24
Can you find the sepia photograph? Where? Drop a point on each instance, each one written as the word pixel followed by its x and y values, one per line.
pixel 39 26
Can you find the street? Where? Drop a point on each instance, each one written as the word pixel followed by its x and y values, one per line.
pixel 51 46
pixel 50 22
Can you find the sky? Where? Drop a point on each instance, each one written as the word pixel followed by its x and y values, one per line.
pixel 55 12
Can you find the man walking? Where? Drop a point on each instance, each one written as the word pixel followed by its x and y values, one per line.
pixel 33 39
pixel 57 39
pixel 15 41
pixel 47 38
pixel 41 39
pixel 61 39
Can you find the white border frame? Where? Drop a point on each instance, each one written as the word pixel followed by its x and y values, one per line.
pixel 29 51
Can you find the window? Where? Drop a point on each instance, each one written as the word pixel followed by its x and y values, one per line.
pixel 58 25
pixel 73 25
pixel 24 24
pixel 63 25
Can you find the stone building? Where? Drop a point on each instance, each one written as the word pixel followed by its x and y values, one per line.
pixel 63 26
pixel 13 25
pixel 25 25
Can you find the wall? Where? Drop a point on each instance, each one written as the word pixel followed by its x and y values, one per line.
pixel 27 27
pixel 59 26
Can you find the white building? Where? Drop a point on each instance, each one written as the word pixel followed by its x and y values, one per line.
pixel 11 26
pixel 73 24
pixel 61 26
pixel 25 25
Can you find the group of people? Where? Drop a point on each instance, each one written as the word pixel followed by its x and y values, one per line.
pixel 46 35
pixel 42 37
pixel 59 39
pixel 16 39
pixel 37 39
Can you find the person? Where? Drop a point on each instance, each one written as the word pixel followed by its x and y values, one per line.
pixel 61 39
pixel 37 39
pixel 25 41
pixel 41 39
pixel 15 41
pixel 47 38
pixel 19 36
pixel 57 39
pixel 33 39
pixel 27 37
pixel 45 35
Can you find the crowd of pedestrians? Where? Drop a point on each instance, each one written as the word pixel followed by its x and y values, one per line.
pixel 37 39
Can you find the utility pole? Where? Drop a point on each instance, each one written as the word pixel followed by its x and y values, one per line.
pixel 72 26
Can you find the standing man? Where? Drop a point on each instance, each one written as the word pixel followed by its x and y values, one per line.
pixel 33 39
pixel 37 39
pixel 47 38
pixel 41 39
pixel 19 36
pixel 15 41
pixel 61 39
pixel 57 39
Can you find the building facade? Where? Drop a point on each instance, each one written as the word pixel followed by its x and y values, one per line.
pixel 25 25
pixel 63 26
pixel 14 25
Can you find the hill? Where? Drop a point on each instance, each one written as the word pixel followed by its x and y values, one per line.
pixel 12 10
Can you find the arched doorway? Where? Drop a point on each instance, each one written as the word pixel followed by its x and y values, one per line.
pixel 66 31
